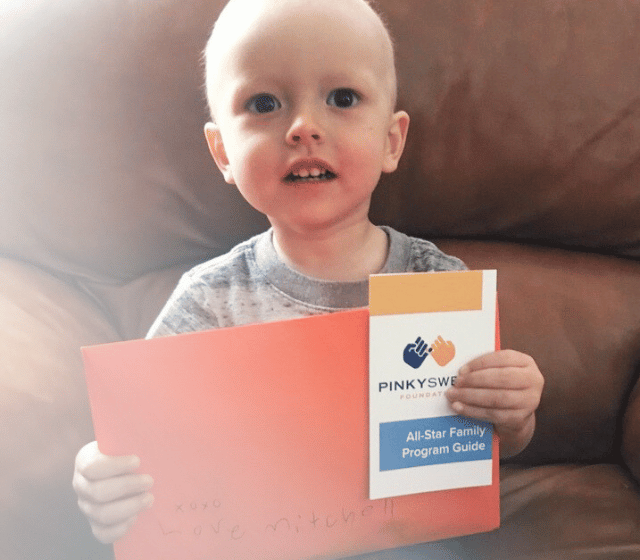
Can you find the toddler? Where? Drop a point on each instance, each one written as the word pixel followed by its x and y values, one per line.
pixel 302 96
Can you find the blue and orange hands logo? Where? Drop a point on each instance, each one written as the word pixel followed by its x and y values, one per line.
pixel 416 353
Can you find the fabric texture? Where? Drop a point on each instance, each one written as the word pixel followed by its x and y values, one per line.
pixel 251 284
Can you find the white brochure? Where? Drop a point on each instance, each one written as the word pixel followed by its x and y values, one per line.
pixel 423 328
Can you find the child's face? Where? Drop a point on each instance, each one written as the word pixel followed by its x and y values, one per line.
pixel 303 103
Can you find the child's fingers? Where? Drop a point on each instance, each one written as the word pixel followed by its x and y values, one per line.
pixel 509 378
pixel 110 489
pixel 503 388
pixel 94 465
pixel 488 398
pixel 505 417
pixel 505 370
pixel 499 359
pixel 115 513
pixel 112 533
pixel 109 492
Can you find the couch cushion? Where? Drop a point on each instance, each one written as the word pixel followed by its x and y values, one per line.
pixel 566 512
pixel 563 511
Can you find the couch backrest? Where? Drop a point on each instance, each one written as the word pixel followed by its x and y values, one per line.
pixel 526 121
pixel 525 125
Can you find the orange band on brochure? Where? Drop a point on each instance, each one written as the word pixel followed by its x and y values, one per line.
pixel 426 293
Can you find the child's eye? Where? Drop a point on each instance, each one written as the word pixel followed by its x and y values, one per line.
pixel 343 98
pixel 263 103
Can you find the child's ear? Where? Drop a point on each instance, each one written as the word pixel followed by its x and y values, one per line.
pixel 395 141
pixel 219 154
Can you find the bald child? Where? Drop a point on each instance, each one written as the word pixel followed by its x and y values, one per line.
pixel 302 96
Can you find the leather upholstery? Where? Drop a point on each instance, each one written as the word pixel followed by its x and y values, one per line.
pixel 523 155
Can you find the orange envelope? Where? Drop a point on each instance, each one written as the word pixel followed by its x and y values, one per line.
pixel 257 438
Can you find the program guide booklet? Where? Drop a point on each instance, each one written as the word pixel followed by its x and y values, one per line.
pixel 423 328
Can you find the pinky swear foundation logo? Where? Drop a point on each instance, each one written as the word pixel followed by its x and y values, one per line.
pixel 417 352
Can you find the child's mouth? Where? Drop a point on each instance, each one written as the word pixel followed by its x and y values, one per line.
pixel 309 170
pixel 306 176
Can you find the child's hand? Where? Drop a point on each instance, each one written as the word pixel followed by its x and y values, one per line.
pixel 109 492
pixel 504 388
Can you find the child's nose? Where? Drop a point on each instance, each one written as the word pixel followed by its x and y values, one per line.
pixel 305 130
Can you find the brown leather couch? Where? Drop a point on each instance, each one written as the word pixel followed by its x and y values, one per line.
pixel 523 155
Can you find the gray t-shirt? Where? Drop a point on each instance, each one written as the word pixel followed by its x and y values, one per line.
pixel 251 284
